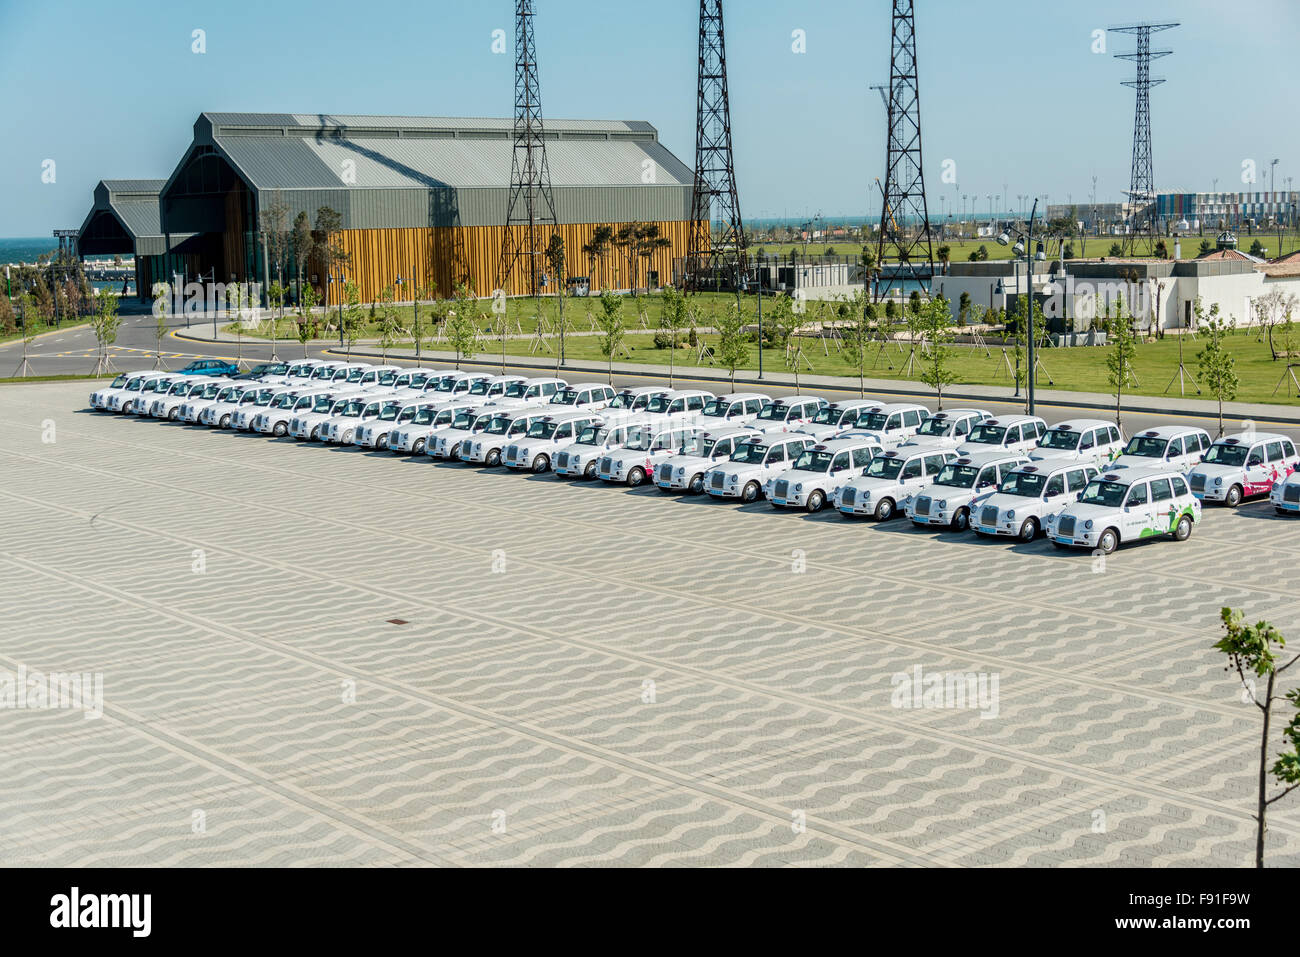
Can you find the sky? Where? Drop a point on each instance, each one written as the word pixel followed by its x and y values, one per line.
pixel 1012 91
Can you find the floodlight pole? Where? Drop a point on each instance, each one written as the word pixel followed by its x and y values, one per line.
pixel 1029 309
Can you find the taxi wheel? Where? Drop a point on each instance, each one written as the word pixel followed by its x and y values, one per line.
pixel 1183 530
pixel 493 459
pixel 697 485
pixel 347 438
pixel 381 442
pixel 1029 530
pixel 589 471
pixel 961 521
pixel 1108 542
pixel 280 430
pixel 541 463
pixel 816 501
pixel 1233 498
pixel 418 447
pixel 751 493
pixel 884 509
pixel 635 477
pixel 454 453
pixel 224 423
pixel 173 415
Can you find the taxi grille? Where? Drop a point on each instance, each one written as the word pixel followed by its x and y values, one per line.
pixel 1198 482
pixel 782 488
pixel 923 505
pixel 562 460
pixel 665 473
pixel 1065 526
pixel 606 465
pixel 848 496
pixel 717 480
pixel 1291 493
pixel 989 516
pixel 510 453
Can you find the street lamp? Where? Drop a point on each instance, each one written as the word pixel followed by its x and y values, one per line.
pixel 1022 247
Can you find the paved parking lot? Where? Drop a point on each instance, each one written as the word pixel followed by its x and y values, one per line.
pixel 591 675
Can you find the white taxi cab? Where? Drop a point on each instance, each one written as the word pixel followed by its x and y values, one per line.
pixel 1285 495
pixel 1127 505
pixel 580 460
pixel 1010 433
pixel 1028 496
pixel 412 434
pixel 744 474
pixel 444 443
pixel 591 396
pixel 888 480
pixel 836 417
pixel 948 428
pixel 1248 463
pixel 1080 440
pixel 788 412
pixel 1175 446
pixel 685 473
pixel 890 425
pixel 535 449
pixel 960 488
pixel 818 472
pixel 647 445
pixel 732 409
pixel 505 426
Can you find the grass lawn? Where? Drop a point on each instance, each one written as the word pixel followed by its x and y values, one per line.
pixel 1078 368
pixel 41 329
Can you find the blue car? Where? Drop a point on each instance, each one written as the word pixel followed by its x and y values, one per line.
pixel 213 367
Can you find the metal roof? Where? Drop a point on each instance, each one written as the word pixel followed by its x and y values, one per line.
pixel 299 151
pixel 134 204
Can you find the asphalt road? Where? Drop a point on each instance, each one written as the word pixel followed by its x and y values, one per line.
pixel 74 352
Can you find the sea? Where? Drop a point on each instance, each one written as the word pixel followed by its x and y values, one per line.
pixel 26 250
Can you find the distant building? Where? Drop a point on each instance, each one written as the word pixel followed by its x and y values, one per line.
pixel 1209 209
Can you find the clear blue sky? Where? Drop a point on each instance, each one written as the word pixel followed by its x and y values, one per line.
pixel 112 89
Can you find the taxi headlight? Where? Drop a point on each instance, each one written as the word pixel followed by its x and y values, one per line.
pixel 1218 482
pixel 1011 513
pixel 865 495
pixel 942 503
pixel 798 488
pixel 733 478
pixel 1087 524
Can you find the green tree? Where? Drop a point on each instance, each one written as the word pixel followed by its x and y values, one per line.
pixel 856 336
pixel 417 318
pixel 733 347
pixel 354 316
pixel 275 296
pixel 612 328
pixel 306 322
pixel 461 331
pixel 1254 652
pixel 390 325
pixel 327 246
pixel 274 222
pixel 303 245
pixel 1119 358
pixel 870 268
pixel 935 327
pixel 555 259
pixel 963 308
pixel 161 293
pixel 1026 307
pixel 1218 366
pixel 104 322
pixel 676 317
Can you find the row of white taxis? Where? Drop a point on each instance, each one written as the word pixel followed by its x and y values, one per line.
pixel 1079 482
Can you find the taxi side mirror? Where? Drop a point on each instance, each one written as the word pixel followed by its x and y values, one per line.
pixel 1078 496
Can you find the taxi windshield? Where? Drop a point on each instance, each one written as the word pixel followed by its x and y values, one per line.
pixel 716 408
pixel 658 403
pixel 323 404
pixel 499 425
pixel 623 400
pixel 641 440
pixel 1234 455
pixel 750 453
pixel 884 468
pixel 936 426
pixel 1028 484
pixel 1146 446
pixel 776 412
pixel 515 390
pixel 871 420
pixel 389 411
pixel 1109 494
pixel 957 476
pixel 812 460
pixel 829 415
pixel 542 429
pixel 1064 439
pixel 987 434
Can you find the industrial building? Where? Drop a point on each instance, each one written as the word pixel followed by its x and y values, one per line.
pixel 123 221
pixel 421 198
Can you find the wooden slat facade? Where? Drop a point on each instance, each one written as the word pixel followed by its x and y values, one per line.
pixel 447 255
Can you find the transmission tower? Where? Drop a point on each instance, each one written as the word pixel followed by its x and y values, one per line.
pixel 531 209
pixel 714 199
pixel 1142 180
pixel 904 217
